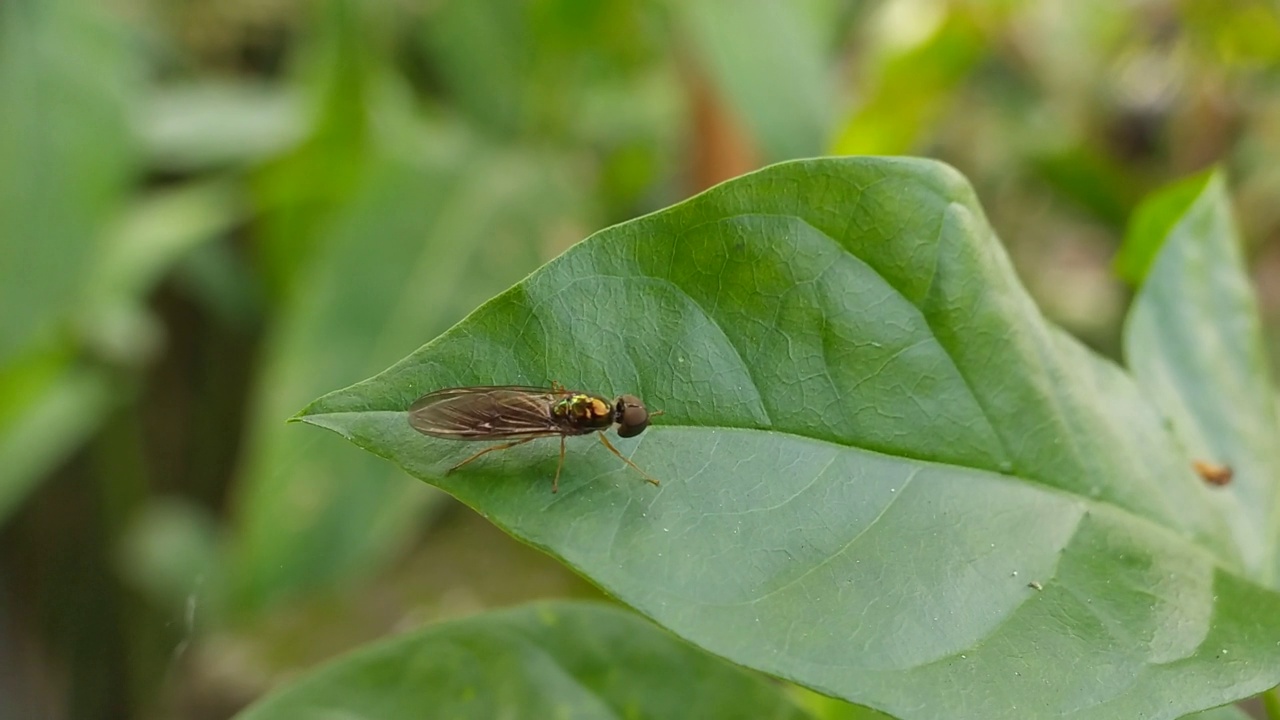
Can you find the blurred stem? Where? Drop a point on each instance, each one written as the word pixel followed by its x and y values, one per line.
pixel 119 465
pixel 723 147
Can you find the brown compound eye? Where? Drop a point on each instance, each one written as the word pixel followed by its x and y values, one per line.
pixel 631 415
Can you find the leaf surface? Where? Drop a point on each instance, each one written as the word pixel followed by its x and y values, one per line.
pixel 1194 342
pixel 548 660
pixel 66 159
pixel 885 475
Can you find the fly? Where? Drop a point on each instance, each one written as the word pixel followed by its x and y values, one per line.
pixel 519 414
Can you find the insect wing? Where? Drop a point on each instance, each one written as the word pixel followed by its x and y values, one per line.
pixel 485 413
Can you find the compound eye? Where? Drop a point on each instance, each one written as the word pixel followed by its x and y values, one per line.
pixel 631 415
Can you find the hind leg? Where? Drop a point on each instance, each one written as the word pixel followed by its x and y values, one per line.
pixel 503 446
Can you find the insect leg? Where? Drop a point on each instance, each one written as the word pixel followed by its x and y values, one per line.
pixel 503 446
pixel 635 467
pixel 555 484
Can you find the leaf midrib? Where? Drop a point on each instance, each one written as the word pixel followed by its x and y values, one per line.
pixel 1011 478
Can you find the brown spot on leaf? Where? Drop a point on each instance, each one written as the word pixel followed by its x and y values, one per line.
pixel 1213 473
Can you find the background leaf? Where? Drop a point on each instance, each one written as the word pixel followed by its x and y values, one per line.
pixel 214 124
pixel 889 121
pixel 829 708
pixel 1194 341
pixel 50 405
pixel 422 216
pixel 768 61
pixel 562 660
pixel 66 159
pixel 1151 224
pixel 50 400
pixel 873 444
pixel 151 237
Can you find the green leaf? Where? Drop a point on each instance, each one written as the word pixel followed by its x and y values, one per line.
pixel 829 708
pixel 1102 185
pixel 914 88
pixel 885 475
pixel 49 402
pixel 1151 223
pixel 157 232
pixel 213 124
pixel 424 240
pixel 585 74
pixel 1194 343
pixel 768 60
pixel 548 660
pixel 66 158
pixel 483 50
pixel 169 554
pixel 49 405
pixel 344 64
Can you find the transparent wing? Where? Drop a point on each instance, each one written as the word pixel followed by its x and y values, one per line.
pixel 486 413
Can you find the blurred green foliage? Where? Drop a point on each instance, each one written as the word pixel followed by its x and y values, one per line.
pixel 543 660
pixel 211 212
